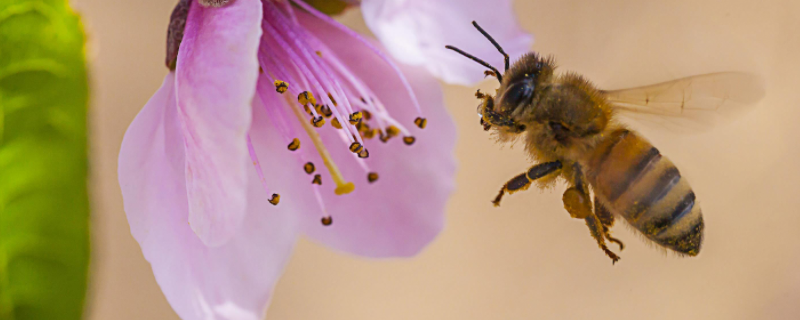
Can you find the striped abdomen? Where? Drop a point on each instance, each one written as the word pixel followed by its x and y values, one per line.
pixel 633 180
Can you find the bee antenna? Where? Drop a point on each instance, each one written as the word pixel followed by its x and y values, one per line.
pixel 496 45
pixel 483 63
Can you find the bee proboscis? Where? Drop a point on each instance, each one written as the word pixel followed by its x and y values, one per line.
pixel 571 129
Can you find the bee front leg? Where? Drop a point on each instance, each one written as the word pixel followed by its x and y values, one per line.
pixel 524 180
pixel 491 118
pixel 576 201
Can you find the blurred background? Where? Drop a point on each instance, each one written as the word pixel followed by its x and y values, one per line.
pixel 526 259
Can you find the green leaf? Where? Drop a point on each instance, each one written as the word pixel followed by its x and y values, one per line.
pixel 44 207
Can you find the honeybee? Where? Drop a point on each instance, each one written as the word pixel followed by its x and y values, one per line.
pixel 570 128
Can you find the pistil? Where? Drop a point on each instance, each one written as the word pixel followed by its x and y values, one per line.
pixel 342 186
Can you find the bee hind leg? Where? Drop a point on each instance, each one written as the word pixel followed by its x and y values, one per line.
pixel 597 233
pixel 576 201
pixel 524 180
pixel 606 219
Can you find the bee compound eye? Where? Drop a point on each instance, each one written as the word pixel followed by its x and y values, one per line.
pixel 518 93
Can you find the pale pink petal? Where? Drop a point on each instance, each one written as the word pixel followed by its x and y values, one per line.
pixel 233 281
pixel 216 78
pixel 403 211
pixel 416 31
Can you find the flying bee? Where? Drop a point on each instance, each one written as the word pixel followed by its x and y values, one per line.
pixel 570 129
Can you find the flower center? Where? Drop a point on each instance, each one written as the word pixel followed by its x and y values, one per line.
pixel 297 64
pixel 342 186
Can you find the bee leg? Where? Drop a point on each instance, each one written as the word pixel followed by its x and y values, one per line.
pixel 523 181
pixel 576 201
pixel 597 233
pixel 497 119
pixel 606 219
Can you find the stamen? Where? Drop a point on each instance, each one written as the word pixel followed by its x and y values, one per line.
pixel 305 98
pixel 309 167
pixel 363 154
pixel 326 111
pixel 366 43
pixel 275 199
pixel 332 99
pixel 421 122
pixel 294 145
pixel 252 151
pixel 318 121
pixel 335 123
pixel 392 131
pixel 372 177
pixel 317 180
pixel 326 221
pixel 355 118
pixel 409 140
pixel 369 134
pixel 356 147
pixel 281 86
pixel 342 187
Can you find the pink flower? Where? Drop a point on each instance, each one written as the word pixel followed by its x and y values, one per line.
pixel 215 187
pixel 416 31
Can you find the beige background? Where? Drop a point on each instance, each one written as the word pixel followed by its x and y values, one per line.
pixel 528 259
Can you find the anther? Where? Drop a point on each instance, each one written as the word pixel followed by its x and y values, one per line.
pixel 383 137
pixel 356 147
pixel 319 53
pixel 318 121
pixel 356 117
pixel 409 140
pixel 309 167
pixel 363 154
pixel 275 199
pixel 372 177
pixel 336 124
pixel 421 122
pixel 317 180
pixel 479 94
pixel 326 221
pixel 325 111
pixel 281 86
pixel 369 134
pixel 392 131
pixel 367 114
pixel 305 98
pixel 294 145
pixel 330 96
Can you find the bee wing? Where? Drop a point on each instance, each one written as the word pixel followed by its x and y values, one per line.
pixel 689 104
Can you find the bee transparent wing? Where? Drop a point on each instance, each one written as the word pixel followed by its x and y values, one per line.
pixel 689 104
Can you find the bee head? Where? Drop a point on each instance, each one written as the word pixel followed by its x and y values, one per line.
pixel 521 84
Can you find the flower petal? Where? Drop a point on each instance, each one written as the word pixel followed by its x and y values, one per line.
pixel 404 210
pixel 216 78
pixel 416 31
pixel 233 281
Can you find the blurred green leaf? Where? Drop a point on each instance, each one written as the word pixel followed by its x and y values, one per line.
pixel 44 207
